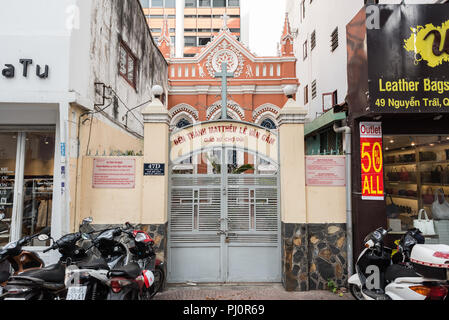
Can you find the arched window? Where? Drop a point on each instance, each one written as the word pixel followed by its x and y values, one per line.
pixel 183 123
pixel 269 124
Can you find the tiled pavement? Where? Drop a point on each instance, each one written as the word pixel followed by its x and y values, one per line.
pixel 243 292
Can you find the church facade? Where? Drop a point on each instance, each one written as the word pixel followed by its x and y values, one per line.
pixel 255 92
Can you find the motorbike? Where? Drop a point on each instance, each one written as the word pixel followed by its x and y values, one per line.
pixel 143 277
pixel 87 280
pixel 47 283
pixel 21 260
pixel 415 272
pixel 128 272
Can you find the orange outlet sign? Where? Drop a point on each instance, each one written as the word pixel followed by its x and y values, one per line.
pixel 372 161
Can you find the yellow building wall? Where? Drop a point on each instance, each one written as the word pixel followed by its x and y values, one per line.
pixel 104 138
pixel 326 204
pixel 111 206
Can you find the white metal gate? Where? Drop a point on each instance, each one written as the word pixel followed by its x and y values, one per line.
pixel 223 226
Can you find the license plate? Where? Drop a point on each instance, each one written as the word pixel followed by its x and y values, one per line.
pixel 76 293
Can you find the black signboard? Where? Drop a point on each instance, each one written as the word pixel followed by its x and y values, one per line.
pixel 408 58
pixel 154 169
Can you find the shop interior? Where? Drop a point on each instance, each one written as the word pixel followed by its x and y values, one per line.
pixel 35 174
pixel 417 180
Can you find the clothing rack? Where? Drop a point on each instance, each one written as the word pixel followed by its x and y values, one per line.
pixel 35 196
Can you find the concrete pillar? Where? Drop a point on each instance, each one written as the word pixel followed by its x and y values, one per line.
pixel 155 188
pixel 293 197
pixel 292 162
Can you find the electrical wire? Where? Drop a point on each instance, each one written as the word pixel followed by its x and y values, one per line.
pixel 129 110
pixel 91 122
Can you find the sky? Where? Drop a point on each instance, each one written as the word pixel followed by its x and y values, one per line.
pixel 264 20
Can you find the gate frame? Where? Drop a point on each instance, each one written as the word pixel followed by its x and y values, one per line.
pixel 224 176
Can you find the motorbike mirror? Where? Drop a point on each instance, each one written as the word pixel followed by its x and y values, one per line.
pixel 2 216
pixel 45 231
pixel 86 236
pixel 87 221
pixel 43 237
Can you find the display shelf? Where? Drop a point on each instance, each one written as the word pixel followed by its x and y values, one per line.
pixel 434 184
pixel 404 197
pixel 435 162
pixel 401 182
pixel 399 164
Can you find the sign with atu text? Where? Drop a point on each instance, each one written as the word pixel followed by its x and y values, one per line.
pixel 114 173
pixel 371 161
pixel 408 59
pixel 325 171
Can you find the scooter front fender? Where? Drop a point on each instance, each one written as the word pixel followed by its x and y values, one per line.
pixel 355 280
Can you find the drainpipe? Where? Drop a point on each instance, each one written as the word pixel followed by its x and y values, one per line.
pixel 348 152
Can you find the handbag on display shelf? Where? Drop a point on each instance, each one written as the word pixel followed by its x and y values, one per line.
pixel 437 174
pixel 393 211
pixel 404 176
pixel 393 175
pixel 426 226
pixel 427 156
pixel 428 198
pixel 407 158
pixel 440 207
pixel 412 193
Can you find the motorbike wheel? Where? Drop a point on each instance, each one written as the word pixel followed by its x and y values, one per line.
pixel 356 292
pixel 159 278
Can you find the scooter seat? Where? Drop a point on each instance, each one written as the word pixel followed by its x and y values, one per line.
pixel 396 271
pixel 4 276
pixel 51 274
pixel 130 271
pixel 93 263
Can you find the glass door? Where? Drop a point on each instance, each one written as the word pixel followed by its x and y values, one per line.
pixel 8 152
pixel 26 184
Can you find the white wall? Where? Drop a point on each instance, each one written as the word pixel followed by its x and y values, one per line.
pixel 328 68
pixel 32 30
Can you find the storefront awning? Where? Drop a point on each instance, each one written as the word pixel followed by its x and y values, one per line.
pixel 323 121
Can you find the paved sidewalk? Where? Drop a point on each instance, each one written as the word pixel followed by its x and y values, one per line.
pixel 243 292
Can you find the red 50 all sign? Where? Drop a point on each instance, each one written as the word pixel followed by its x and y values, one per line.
pixel 371 161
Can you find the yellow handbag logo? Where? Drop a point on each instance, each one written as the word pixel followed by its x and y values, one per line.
pixel 430 44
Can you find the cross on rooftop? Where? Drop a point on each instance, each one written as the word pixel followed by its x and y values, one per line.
pixel 224 75
pixel 225 21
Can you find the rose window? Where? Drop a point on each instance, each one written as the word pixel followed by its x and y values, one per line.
pixel 225 56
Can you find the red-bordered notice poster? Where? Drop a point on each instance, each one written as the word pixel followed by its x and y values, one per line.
pixel 372 161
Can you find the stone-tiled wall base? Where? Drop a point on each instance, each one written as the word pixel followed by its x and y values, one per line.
pixel 313 254
pixel 295 267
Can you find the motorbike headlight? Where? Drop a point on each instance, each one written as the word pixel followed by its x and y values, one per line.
pixel 140 237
